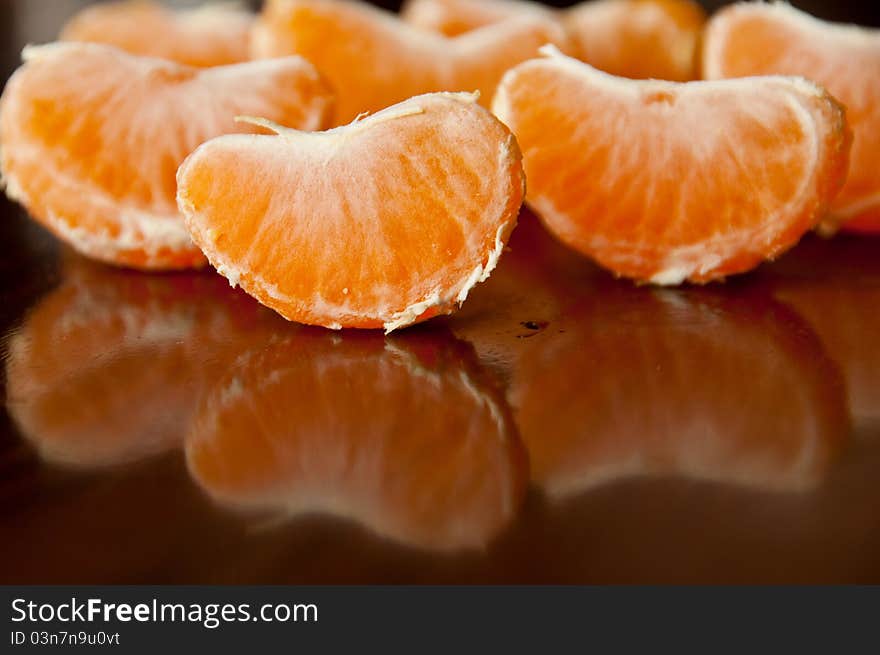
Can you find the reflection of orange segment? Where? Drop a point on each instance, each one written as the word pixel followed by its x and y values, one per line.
pixel 835 285
pixel 632 38
pixel 212 35
pixel 760 39
pixel 669 182
pixel 92 138
pixel 374 60
pixel 106 369
pixel 668 383
pixel 406 436
pixel 384 222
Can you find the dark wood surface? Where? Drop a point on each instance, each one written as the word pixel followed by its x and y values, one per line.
pixel 564 427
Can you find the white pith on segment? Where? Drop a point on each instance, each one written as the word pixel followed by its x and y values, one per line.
pixel 342 189
pixel 151 113
pixel 135 229
pixel 668 123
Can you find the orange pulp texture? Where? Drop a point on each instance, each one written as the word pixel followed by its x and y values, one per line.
pixel 92 137
pixel 667 182
pixel 763 39
pixel 381 223
pixel 373 60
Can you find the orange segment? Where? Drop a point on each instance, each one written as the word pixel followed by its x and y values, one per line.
pixel 638 38
pixel 381 223
pixel 760 39
pixel 456 17
pixel 92 138
pixel 374 60
pixel 211 35
pixel 406 436
pixel 631 38
pixel 667 182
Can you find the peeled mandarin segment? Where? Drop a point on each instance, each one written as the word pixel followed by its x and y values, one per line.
pixel 638 38
pixel 760 39
pixel 667 182
pixel 631 38
pixel 211 35
pixel 92 138
pixel 381 223
pixel 374 60
pixel 337 424
pixel 455 17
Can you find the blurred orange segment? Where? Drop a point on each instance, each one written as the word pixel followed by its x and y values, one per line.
pixel 667 182
pixel 631 38
pixel 211 35
pixel 638 38
pixel 92 137
pixel 374 60
pixel 455 17
pixel 381 223
pixel 406 436
pixel 760 39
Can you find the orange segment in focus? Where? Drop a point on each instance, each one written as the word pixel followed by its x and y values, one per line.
pixel 381 223
pixel 667 182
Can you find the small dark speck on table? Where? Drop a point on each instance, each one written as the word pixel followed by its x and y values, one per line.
pixel 534 326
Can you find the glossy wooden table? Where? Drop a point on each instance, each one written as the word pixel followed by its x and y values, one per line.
pixel 564 427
